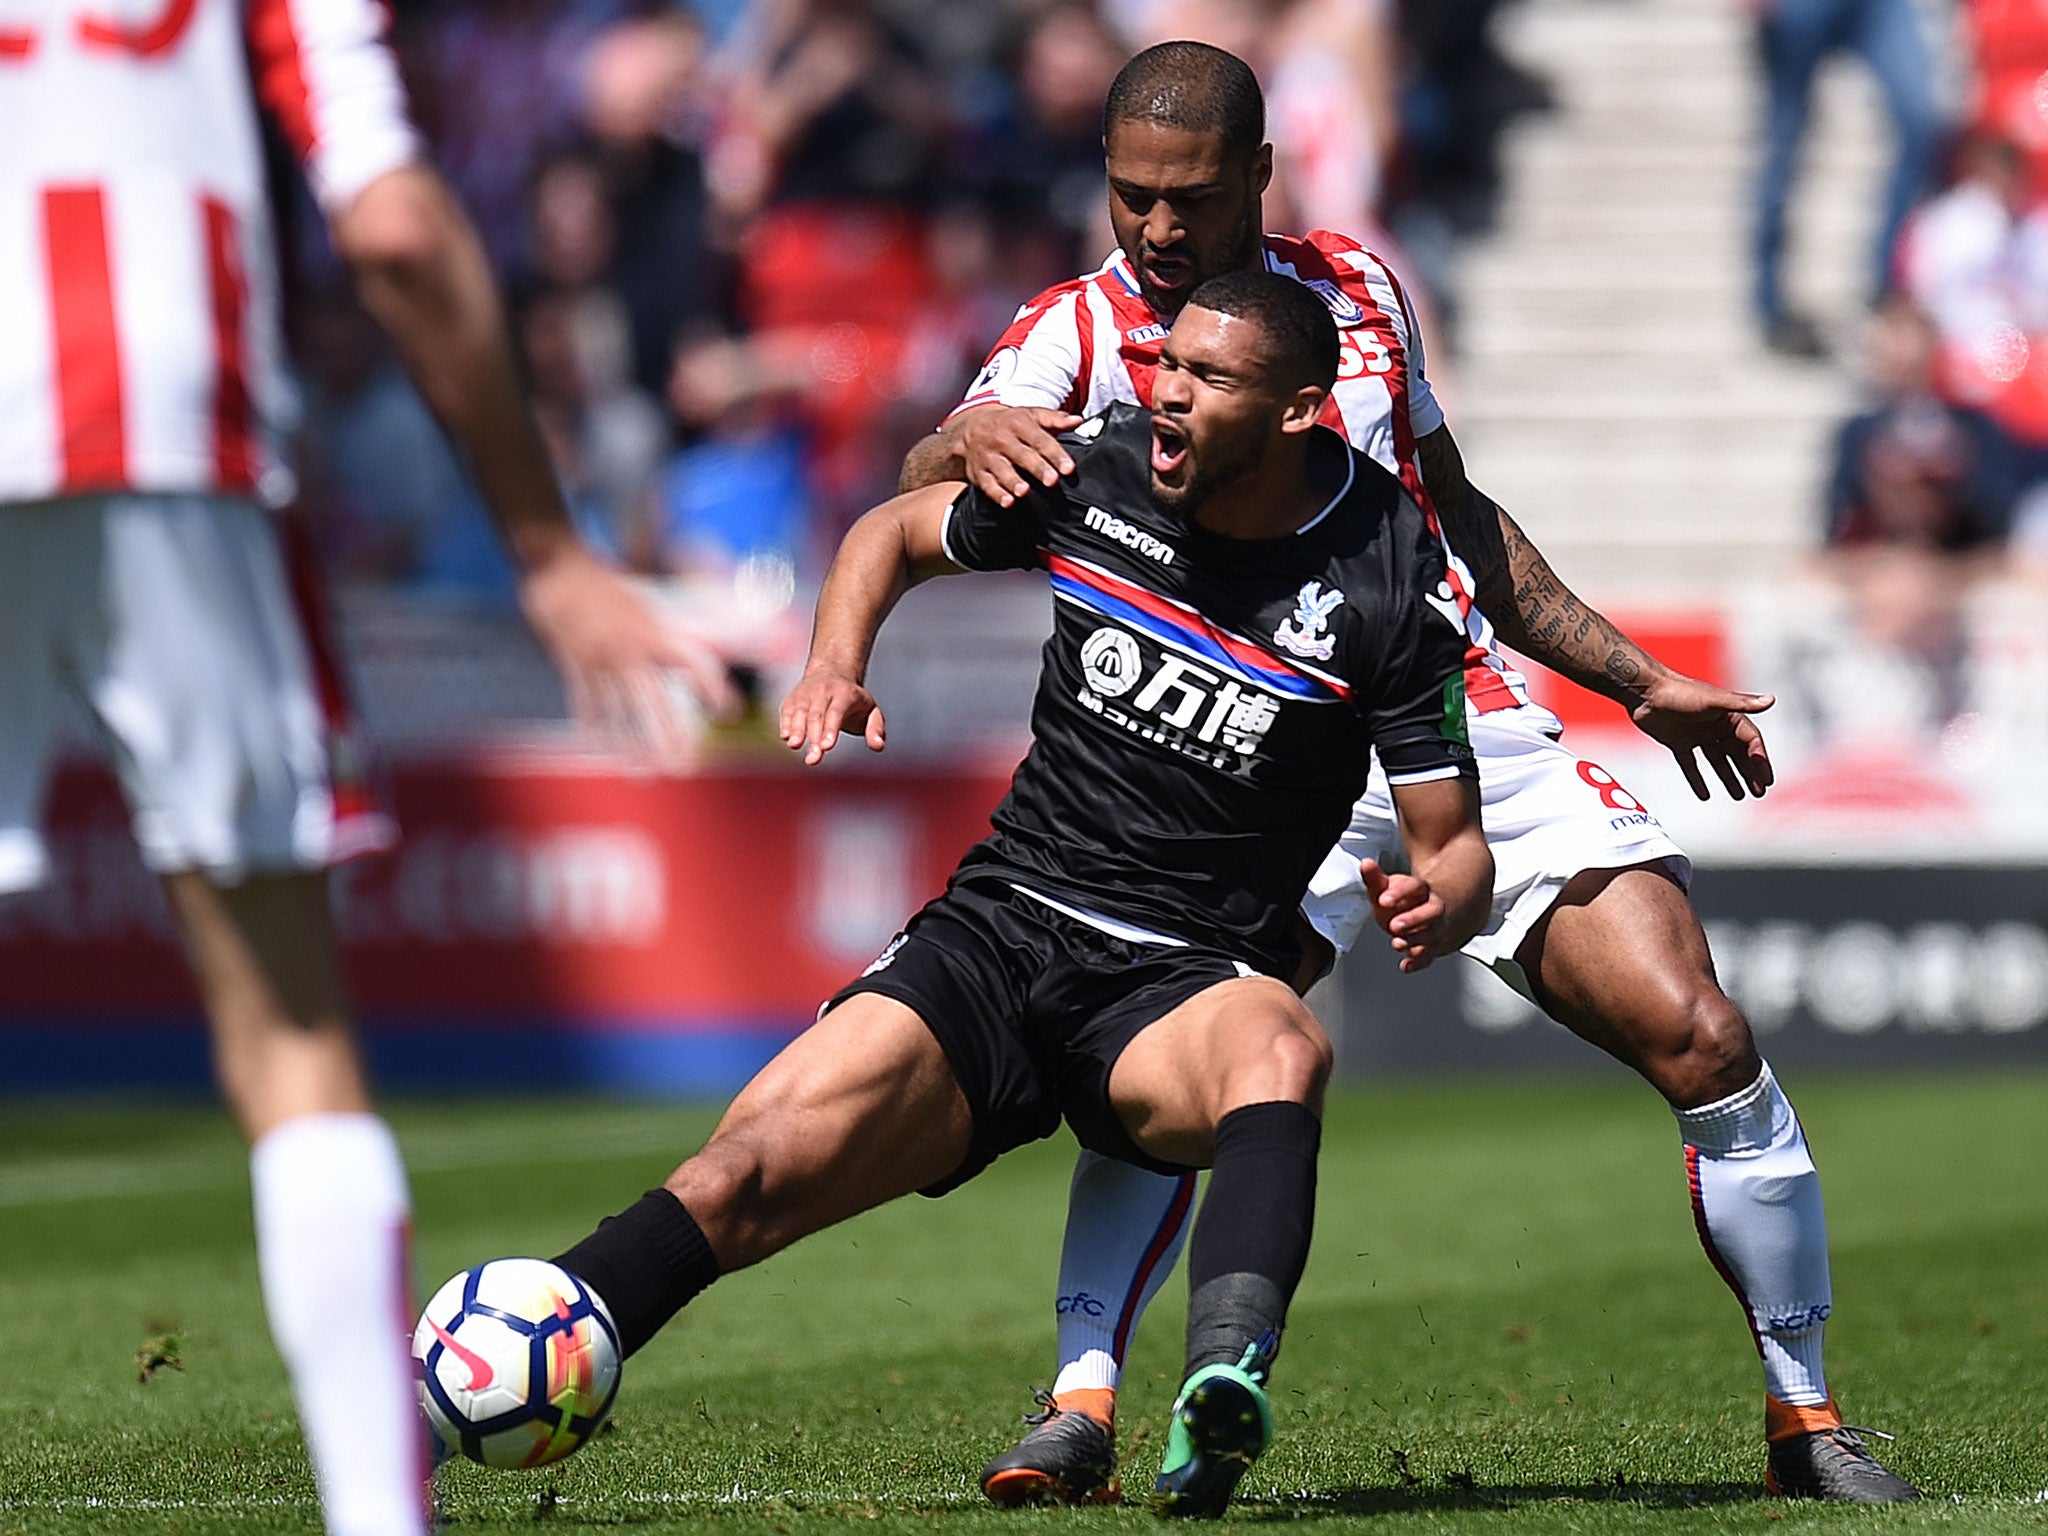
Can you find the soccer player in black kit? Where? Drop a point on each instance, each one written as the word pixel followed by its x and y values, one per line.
pixel 1245 606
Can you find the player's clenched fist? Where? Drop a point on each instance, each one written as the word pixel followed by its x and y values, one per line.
pixel 821 706
pixel 1004 447
pixel 1411 913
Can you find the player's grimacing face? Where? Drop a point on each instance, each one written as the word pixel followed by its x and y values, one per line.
pixel 1214 409
pixel 1184 210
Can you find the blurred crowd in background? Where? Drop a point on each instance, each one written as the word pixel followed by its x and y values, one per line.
pixel 1942 478
pixel 754 249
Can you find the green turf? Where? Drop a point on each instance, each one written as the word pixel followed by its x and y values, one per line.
pixel 1507 1326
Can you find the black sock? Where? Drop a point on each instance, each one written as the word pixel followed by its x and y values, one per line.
pixel 645 1263
pixel 1251 1238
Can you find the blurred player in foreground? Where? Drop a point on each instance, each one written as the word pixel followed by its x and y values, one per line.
pixel 1590 915
pixel 1248 613
pixel 143 396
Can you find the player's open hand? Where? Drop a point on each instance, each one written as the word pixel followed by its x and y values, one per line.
pixel 822 705
pixel 1005 447
pixel 1411 913
pixel 621 661
pixel 1690 716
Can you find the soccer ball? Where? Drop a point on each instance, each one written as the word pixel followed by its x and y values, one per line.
pixel 518 1362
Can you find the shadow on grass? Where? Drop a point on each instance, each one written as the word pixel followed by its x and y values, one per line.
pixel 1464 1494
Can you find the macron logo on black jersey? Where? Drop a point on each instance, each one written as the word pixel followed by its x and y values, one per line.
pixel 1112 527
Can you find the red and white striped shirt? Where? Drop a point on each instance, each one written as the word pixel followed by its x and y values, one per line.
pixel 140 345
pixel 1085 344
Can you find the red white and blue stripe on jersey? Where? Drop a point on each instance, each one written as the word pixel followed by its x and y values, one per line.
pixel 1187 629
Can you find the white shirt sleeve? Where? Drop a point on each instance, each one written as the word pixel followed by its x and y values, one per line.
pixel 325 72
pixel 1424 414
pixel 1038 361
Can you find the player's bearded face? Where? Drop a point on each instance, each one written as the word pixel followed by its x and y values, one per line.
pixel 1184 209
pixel 1212 412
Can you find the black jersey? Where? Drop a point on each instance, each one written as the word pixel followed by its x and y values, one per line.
pixel 1207 707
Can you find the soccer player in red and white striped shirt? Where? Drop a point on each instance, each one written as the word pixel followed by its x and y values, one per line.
pixel 143 404
pixel 1590 914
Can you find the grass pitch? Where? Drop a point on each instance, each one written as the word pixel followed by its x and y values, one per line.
pixel 1507 1326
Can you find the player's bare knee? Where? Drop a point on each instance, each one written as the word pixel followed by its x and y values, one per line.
pixel 1291 1063
pixel 728 1189
pixel 1719 1055
pixel 1302 1062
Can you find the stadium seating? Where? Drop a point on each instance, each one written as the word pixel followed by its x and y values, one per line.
pixel 1611 391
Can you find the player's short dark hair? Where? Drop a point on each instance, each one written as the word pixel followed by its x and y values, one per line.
pixel 1190 86
pixel 1296 323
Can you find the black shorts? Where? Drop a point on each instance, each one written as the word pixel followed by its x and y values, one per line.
pixel 1032 1008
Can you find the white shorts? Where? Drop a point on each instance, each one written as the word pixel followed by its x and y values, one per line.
pixel 173 621
pixel 1548 815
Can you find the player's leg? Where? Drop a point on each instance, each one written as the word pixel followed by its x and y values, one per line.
pixel 915 1077
pixel 861 1108
pixel 1620 959
pixel 264 954
pixel 1126 1225
pixel 332 1209
pixel 1232 1078
pixel 1125 1228
pixel 190 656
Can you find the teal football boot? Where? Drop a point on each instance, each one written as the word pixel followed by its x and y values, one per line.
pixel 1222 1423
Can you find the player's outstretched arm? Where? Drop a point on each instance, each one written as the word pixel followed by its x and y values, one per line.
pixel 884 555
pixel 999 449
pixel 1536 613
pixel 1442 903
pixel 421 271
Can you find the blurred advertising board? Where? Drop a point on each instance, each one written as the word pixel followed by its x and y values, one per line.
pixel 1901 966
pixel 542 925
pixel 548 926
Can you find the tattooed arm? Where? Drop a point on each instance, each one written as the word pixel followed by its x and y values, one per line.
pixel 1535 612
pixel 1530 606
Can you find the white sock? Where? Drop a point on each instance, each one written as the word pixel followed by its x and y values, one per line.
pixel 1125 1227
pixel 1756 1201
pixel 332 1245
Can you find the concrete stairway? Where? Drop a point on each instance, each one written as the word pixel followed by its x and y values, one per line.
pixel 1610 389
